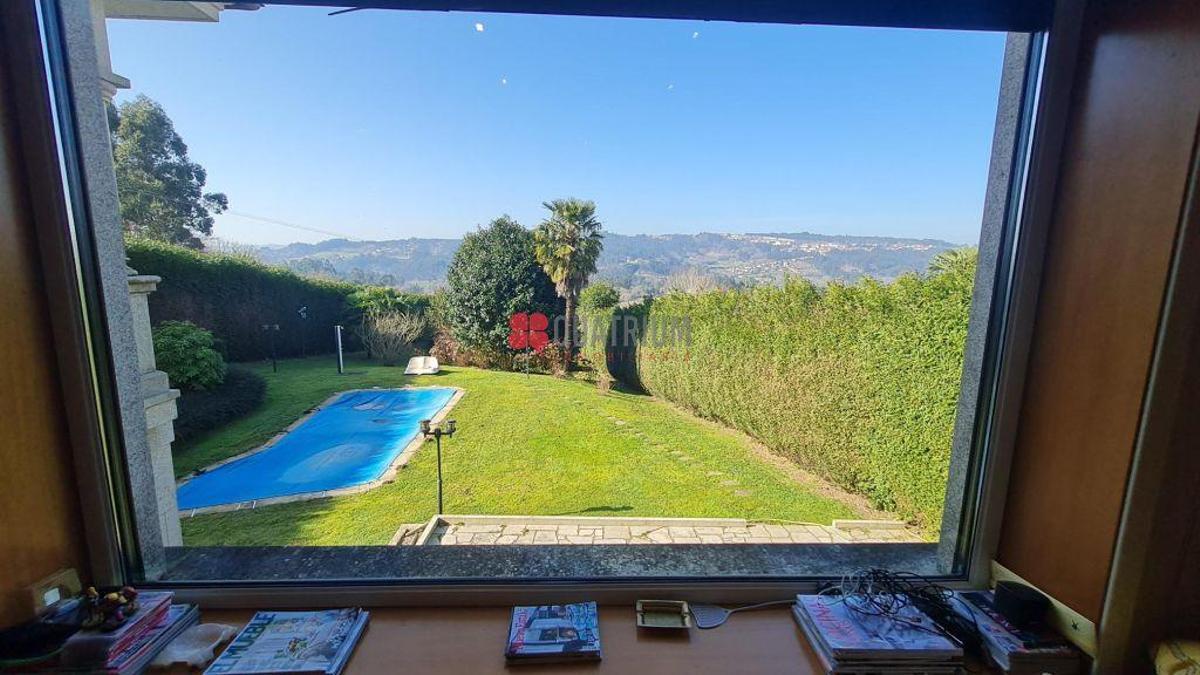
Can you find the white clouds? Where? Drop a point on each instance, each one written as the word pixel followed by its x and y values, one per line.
pixel 503 81
pixel 478 26
pixel 695 34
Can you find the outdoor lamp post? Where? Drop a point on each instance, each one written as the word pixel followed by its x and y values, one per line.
pixel 447 429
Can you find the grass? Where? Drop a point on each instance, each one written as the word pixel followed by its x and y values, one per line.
pixel 532 445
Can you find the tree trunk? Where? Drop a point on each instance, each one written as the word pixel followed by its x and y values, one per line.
pixel 569 337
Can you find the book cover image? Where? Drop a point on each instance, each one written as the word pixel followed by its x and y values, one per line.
pixel 298 642
pixel 554 632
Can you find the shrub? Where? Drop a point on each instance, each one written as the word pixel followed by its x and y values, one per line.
pixel 599 295
pixel 370 301
pixel 202 411
pixel 185 352
pixel 235 295
pixel 389 336
pixel 858 383
pixel 494 275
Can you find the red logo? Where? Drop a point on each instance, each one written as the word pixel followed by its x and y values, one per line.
pixel 528 331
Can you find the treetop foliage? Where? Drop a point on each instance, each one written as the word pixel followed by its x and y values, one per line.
pixel 160 190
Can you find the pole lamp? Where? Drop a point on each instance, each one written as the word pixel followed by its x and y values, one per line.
pixel 437 431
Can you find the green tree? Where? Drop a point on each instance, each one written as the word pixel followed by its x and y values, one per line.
pixel 187 354
pixel 492 276
pixel 599 295
pixel 161 190
pixel 567 244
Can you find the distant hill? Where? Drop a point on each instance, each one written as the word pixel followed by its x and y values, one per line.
pixel 638 264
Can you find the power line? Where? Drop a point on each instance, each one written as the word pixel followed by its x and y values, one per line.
pixel 294 226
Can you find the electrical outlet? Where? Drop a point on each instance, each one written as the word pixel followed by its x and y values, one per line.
pixel 61 585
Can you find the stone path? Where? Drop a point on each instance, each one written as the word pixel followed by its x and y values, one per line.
pixel 451 530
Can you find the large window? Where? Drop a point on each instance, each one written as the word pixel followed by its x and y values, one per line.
pixel 425 296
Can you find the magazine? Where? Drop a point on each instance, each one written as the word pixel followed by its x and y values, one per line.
pixel 1012 648
pixel 846 633
pixel 547 633
pixel 293 642
pixel 92 646
pixel 138 654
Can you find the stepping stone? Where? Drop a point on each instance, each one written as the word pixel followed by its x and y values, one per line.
pixel 619 422
pixel 729 482
pixel 742 493
pixel 713 474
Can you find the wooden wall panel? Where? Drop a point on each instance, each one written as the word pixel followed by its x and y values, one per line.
pixel 39 510
pixel 1124 171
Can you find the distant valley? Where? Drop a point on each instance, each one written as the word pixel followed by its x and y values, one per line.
pixel 636 264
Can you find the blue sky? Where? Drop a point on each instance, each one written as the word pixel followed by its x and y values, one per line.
pixel 382 125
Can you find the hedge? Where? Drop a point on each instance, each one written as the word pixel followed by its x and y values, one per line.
pixel 234 296
pixel 858 383
pixel 204 410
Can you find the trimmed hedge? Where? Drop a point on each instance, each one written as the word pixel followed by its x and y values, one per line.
pixel 204 410
pixel 234 296
pixel 858 383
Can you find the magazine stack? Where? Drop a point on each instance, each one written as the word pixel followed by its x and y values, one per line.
pixel 554 634
pixel 131 647
pixel 852 641
pixel 317 643
pixel 1013 649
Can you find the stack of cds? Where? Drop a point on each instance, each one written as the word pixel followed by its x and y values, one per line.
pixel 852 639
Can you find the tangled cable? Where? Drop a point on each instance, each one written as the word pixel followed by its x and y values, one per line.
pixel 882 593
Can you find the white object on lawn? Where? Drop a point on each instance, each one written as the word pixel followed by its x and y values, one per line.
pixel 422 365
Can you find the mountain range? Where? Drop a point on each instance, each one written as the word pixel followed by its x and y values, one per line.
pixel 636 264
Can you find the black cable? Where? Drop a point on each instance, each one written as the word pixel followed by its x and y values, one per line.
pixel 883 593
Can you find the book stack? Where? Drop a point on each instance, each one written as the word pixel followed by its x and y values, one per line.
pixel 318 642
pixel 553 634
pixel 853 641
pixel 1013 649
pixel 131 647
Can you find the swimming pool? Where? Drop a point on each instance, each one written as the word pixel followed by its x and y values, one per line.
pixel 348 442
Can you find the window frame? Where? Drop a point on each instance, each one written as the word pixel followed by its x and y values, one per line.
pixel 57 68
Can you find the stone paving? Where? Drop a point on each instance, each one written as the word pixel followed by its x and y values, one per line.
pixel 451 530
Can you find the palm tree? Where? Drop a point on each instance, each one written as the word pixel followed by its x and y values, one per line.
pixel 567 245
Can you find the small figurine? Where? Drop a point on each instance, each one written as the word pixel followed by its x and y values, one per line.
pixel 109 611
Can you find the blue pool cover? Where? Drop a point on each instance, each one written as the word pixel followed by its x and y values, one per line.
pixel 351 441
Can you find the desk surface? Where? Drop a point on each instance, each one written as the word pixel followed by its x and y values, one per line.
pixel 463 640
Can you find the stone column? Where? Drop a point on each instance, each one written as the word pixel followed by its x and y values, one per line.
pixel 159 400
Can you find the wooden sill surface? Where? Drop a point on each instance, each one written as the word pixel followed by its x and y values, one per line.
pixel 471 641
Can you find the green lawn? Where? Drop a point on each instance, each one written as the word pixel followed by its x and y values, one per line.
pixel 532 445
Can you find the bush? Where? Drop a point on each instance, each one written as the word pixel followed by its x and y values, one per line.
pixel 858 383
pixel 389 336
pixel 234 296
pixel 598 295
pixel 185 352
pixel 202 411
pixel 494 275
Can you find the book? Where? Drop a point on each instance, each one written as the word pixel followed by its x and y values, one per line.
pixel 553 633
pixel 293 642
pixel 93 646
pixel 1013 649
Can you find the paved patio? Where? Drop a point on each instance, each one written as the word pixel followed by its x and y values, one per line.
pixel 455 530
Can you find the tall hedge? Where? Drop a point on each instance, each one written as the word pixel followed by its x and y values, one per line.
pixel 858 383
pixel 234 296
